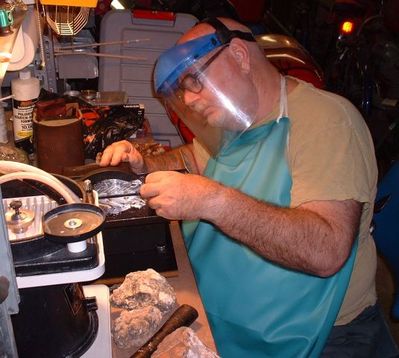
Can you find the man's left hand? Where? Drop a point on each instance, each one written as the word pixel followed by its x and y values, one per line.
pixel 177 196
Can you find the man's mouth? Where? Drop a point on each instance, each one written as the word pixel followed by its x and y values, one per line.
pixel 207 111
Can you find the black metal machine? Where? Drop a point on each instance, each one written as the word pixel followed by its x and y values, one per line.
pixel 55 317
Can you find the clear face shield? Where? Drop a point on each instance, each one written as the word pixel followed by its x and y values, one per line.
pixel 200 88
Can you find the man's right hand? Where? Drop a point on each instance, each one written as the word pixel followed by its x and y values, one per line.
pixel 122 151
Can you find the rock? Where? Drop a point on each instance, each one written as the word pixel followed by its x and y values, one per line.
pixel 144 299
pixel 183 343
pixel 144 288
pixel 134 328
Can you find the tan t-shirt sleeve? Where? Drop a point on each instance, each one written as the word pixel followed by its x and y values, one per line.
pixel 327 167
pixel 331 160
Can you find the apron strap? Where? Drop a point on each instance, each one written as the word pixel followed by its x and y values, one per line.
pixel 283 98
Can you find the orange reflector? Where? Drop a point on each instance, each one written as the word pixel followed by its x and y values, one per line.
pixel 347 27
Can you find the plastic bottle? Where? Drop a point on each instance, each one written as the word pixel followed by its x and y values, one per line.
pixel 25 90
pixel 3 125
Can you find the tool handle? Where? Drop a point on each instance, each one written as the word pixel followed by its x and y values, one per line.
pixel 185 315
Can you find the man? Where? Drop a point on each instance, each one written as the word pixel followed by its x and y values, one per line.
pixel 277 222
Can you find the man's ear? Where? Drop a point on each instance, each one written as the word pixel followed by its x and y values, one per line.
pixel 240 52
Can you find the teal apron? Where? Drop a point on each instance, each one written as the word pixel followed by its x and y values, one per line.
pixel 257 308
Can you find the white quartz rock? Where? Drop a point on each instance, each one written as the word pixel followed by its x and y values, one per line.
pixel 183 343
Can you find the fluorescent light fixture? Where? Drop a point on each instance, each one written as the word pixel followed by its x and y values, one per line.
pixel 117 5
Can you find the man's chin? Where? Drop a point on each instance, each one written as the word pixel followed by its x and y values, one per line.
pixel 217 120
pixel 214 117
pixel 214 122
pixel 223 123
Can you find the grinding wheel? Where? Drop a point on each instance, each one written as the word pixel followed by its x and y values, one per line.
pixel 73 222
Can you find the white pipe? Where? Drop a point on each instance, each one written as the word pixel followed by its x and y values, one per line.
pixel 7 166
pixel 96 44
pixel 56 185
pixel 95 54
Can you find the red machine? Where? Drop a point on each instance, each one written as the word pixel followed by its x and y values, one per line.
pixel 291 58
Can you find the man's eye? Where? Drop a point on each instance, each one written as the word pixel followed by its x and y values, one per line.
pixel 189 81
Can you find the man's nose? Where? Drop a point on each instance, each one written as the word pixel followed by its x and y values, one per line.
pixel 190 97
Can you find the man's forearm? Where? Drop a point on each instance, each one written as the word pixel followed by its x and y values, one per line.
pixel 295 238
pixel 180 158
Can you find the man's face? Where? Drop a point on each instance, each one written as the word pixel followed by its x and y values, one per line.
pixel 216 89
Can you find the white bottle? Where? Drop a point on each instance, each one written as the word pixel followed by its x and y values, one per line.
pixel 25 91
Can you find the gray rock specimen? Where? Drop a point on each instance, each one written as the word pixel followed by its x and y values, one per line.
pixel 134 328
pixel 145 299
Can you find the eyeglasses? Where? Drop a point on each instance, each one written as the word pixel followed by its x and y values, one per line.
pixel 191 81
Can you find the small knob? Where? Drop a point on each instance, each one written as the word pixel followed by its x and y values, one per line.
pixel 19 219
pixel 88 187
pixel 16 205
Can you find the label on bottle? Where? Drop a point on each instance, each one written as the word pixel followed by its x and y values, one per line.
pixel 22 123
